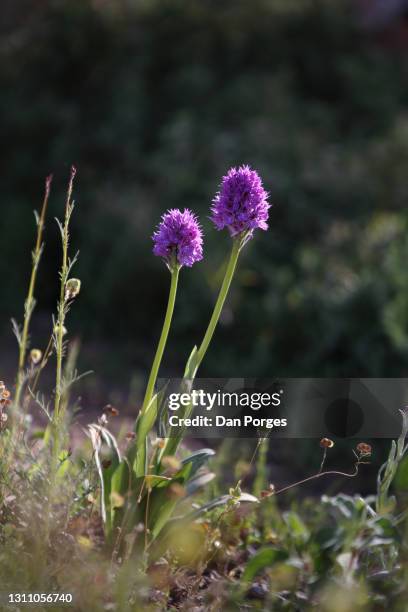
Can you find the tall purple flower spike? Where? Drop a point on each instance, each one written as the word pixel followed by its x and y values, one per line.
pixel 241 204
pixel 179 237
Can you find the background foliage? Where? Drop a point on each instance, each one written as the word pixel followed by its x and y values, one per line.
pixel 153 101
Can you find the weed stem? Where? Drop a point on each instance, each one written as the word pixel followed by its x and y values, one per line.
pixel 30 300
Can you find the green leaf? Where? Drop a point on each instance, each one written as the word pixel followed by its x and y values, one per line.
pixel 144 425
pixel 222 501
pixel 191 364
pixel 297 528
pixel 266 557
pixel 401 479
pixel 198 459
pixel 198 482
pixel 98 436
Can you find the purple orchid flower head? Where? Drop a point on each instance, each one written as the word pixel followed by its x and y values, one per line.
pixel 241 203
pixel 178 238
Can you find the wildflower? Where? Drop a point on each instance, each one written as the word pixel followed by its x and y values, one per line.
pixel 178 238
pixel 326 443
pixel 35 356
pixel 72 288
pixel 241 204
pixel 364 449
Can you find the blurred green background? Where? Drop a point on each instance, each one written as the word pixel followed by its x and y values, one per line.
pixel 153 101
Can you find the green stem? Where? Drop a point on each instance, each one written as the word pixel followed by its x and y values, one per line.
pixel 172 442
pixel 62 300
pixel 163 338
pixel 229 273
pixel 138 456
pixel 30 301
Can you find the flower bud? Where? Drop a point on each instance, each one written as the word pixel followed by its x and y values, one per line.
pixel 57 328
pixel 72 288
pixel 35 356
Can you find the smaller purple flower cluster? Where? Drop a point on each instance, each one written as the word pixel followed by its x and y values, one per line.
pixel 179 238
pixel 241 204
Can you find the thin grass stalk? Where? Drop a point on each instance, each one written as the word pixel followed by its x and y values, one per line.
pixel 58 335
pixel 62 304
pixel 29 304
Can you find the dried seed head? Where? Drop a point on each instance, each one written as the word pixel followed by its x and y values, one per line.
pixel 111 410
pixel 326 443
pixel 268 492
pixel 364 449
pixel 4 403
pixel 176 491
pixel 4 394
pixel 159 443
pixel 171 464
pixel 72 288
pixel 35 356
